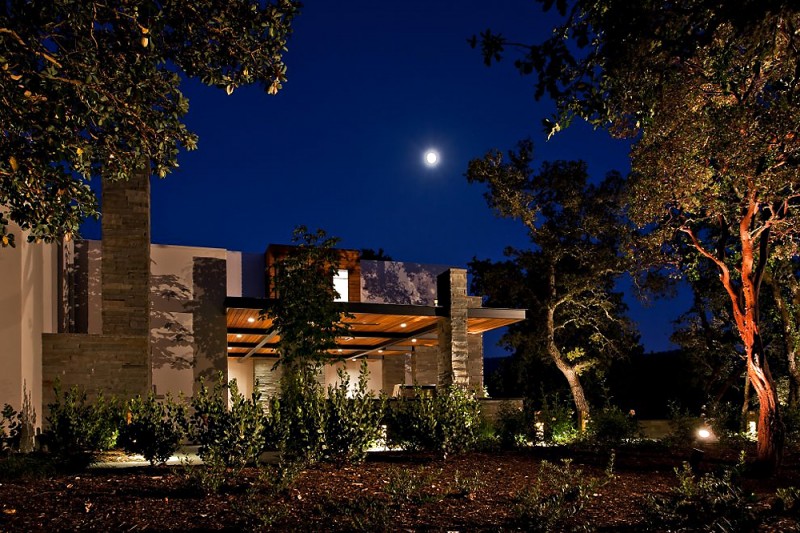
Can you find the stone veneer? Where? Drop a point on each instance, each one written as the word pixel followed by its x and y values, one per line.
pixel 117 365
pixel 453 342
pixel 118 361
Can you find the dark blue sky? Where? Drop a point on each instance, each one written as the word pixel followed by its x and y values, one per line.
pixel 371 86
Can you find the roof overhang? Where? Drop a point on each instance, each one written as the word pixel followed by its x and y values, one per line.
pixel 375 328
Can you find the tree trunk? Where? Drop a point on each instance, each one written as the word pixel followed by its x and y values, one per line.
pixel 754 254
pixel 745 402
pixel 575 387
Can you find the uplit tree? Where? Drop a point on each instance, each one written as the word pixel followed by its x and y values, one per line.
pixel 709 90
pixel 90 89
pixel 566 281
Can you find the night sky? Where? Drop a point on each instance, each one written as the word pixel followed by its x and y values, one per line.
pixel 371 86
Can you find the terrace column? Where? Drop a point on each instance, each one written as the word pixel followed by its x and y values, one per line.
pixel 453 340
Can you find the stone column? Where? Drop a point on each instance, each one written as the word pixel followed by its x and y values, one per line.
pixel 453 341
pixel 126 255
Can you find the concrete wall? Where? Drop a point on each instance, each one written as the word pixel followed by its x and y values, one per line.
pixel 374 366
pixel 28 308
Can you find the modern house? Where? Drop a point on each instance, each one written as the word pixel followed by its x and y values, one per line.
pixel 125 316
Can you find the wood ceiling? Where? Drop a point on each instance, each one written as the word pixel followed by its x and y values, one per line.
pixel 375 329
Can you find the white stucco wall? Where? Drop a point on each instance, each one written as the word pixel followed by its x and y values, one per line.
pixel 352 367
pixel 171 285
pixel 27 309
pixel 242 371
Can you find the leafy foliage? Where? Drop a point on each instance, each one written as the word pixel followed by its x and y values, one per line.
pixel 566 281
pixel 154 428
pixel 353 422
pixel 555 499
pixel 92 88
pixel 709 91
pixel 230 437
pixel 445 423
pixel 10 429
pixel 610 426
pixel 514 427
pixel 708 503
pixel 77 430
pixel 297 418
pixel 303 309
pixel 558 420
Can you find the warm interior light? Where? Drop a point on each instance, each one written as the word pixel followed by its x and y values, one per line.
pixel 403 325
pixel 238 335
pixel 251 320
pixel 230 348
pixel 413 340
pixel 380 351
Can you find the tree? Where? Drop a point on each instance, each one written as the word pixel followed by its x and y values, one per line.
pixel 567 280
pixel 783 280
pixel 91 89
pixel 304 312
pixel 709 90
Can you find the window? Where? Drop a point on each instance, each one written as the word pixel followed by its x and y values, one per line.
pixel 340 285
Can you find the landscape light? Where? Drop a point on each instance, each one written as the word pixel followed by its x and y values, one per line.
pixel 704 433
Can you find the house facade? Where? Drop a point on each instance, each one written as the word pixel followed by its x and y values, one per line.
pixel 124 316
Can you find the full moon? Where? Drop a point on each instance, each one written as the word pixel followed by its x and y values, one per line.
pixel 431 158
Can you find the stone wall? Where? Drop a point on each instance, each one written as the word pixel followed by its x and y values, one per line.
pixel 115 365
pixel 266 381
pixel 394 372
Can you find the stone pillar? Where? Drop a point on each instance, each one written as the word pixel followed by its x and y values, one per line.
pixel 453 341
pixel 126 255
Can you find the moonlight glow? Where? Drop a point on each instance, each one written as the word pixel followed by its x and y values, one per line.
pixel 431 158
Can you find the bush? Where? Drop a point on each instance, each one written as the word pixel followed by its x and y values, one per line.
pixel 353 421
pixel 10 429
pixel 446 423
pixel 610 427
pixel 514 427
pixel 230 437
pixel 710 503
pixel 681 425
pixel 297 420
pixel 154 429
pixel 555 499
pixel 78 430
pixel 558 420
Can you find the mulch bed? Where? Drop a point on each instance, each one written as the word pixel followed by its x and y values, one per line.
pixel 391 491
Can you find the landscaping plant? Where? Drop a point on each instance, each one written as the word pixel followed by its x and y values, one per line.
pixel 154 428
pixel 353 421
pixel 77 430
pixel 229 428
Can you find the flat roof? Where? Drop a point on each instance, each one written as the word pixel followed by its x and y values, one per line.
pixel 376 329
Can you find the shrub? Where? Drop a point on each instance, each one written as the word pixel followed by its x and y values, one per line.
pixel 681 425
pixel 229 437
pixel 154 429
pixel 77 430
pixel 713 502
pixel 297 420
pixel 610 426
pixel 353 421
pixel 412 422
pixel 514 426
pixel 446 423
pixel 10 429
pixel 555 499
pixel 558 420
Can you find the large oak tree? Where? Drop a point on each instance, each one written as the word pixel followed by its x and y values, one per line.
pixel 710 91
pixel 91 88
pixel 566 281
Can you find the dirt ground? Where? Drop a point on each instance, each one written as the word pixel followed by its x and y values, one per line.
pixel 391 491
